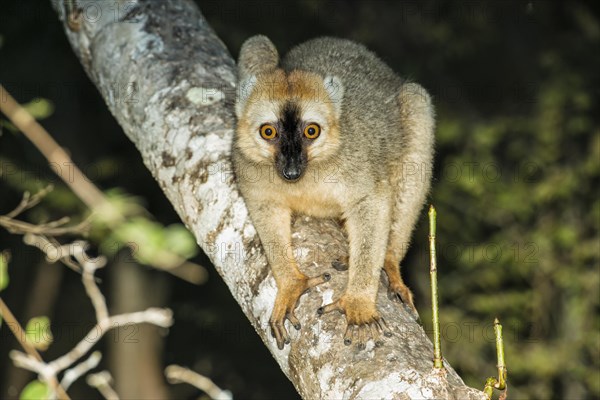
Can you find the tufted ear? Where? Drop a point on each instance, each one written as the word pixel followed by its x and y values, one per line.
pixel 258 54
pixel 335 91
pixel 244 90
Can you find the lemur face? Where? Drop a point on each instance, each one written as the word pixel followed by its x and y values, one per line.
pixel 288 120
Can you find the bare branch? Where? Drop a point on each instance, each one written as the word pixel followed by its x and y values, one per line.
pixel 89 269
pixel 54 251
pixel 48 371
pixel 156 316
pixel 53 228
pixel 29 201
pixel 72 374
pixel 178 374
pixel 103 381
pixel 32 353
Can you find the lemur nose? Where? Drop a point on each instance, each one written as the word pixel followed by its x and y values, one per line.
pixel 291 173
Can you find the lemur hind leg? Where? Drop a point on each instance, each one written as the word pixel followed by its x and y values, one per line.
pixel 411 179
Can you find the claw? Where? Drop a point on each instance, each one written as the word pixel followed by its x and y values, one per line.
pixel 413 312
pixel 339 265
pixel 386 329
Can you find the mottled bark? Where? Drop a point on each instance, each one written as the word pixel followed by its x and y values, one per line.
pixel 170 83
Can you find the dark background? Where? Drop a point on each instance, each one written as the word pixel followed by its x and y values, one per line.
pixel 516 180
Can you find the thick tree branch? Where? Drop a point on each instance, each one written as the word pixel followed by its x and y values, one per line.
pixel 170 83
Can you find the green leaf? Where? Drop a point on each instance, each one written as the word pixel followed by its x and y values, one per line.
pixel 4 258
pixel 180 241
pixel 35 390
pixel 38 333
pixel 39 108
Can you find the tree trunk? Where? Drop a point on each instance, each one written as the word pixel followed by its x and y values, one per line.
pixel 170 83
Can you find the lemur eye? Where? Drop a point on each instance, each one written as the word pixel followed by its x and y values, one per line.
pixel 312 131
pixel 268 132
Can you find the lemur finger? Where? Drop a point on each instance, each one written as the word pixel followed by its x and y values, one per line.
pixel 280 333
pixel 317 280
pixel 277 335
pixel 294 320
pixel 386 329
pixel 348 335
pixel 376 334
pixel 392 295
pixel 335 306
pixel 413 312
pixel 362 337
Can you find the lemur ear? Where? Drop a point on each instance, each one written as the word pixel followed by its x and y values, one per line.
pixel 258 54
pixel 244 90
pixel 335 90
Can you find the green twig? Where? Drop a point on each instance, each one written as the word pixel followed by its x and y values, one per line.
pixel 500 382
pixel 438 362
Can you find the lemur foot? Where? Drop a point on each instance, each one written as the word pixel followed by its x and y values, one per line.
pixel 285 304
pixel 401 293
pixel 363 322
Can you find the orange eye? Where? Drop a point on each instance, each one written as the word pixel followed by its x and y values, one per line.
pixel 268 132
pixel 312 131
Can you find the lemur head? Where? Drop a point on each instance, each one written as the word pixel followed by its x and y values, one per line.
pixel 288 119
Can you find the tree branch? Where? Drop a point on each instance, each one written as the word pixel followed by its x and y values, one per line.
pixel 170 83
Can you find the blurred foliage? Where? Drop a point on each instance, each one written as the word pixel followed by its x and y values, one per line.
pixel 38 333
pixel 36 390
pixel 4 280
pixel 38 108
pixel 4 259
pixel 150 242
pixel 519 202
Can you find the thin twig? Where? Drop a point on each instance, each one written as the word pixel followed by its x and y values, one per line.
pixel 19 334
pixel 29 201
pixel 52 228
pixel 72 374
pixel 156 316
pixel 178 374
pixel 438 361
pixel 500 382
pixel 89 268
pixel 48 371
pixel 102 381
pixel 54 251
pixel 77 181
